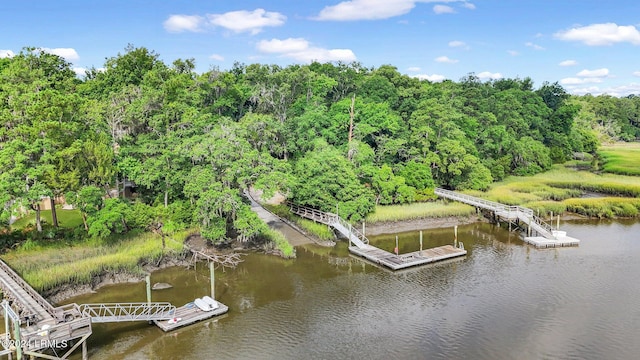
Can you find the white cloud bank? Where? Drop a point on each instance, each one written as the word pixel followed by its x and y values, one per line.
pixel 241 21
pixel 379 9
pixel 568 63
pixel 301 50
pixel 486 75
pixel 6 54
pixel 618 91
pixel 180 23
pixel 598 73
pixel 443 9
pixel 587 77
pixel 601 34
pixel 68 54
pixel 445 59
pixel 432 78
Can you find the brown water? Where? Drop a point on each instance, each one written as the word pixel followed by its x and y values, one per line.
pixel 504 300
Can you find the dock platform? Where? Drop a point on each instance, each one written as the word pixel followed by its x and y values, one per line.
pixel 403 261
pixel 190 314
pixel 561 240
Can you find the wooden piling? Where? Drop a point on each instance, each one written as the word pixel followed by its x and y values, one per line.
pixel 420 240
pixel 148 281
pixel 213 280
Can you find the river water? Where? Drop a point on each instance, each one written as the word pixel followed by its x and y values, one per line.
pixel 504 300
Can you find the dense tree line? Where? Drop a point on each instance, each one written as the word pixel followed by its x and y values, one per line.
pixel 330 135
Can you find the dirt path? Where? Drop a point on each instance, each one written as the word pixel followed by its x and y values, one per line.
pixel 294 237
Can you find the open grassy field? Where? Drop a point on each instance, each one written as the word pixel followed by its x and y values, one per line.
pixel 48 264
pixel 623 159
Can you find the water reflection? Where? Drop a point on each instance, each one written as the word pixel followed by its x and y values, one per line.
pixel 504 300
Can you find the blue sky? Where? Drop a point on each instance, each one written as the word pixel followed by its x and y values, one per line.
pixel 589 46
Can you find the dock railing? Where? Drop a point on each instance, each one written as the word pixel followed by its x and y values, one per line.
pixel 122 312
pixel 510 212
pixel 330 219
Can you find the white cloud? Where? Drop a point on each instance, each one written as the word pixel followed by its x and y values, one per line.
pixel 80 71
pixel 489 75
pixel 443 9
pixel 283 46
pixel 180 23
pixel 351 10
pixel 579 81
pixel 469 6
pixel 534 46
pixel 601 34
pixel 247 21
pixel 568 63
pixel 68 54
pixel 618 91
pixel 414 69
pixel 457 43
pixel 432 78
pixel 6 54
pixel 216 57
pixel 513 52
pixel 594 73
pixel 636 73
pixel 445 59
pixel 301 50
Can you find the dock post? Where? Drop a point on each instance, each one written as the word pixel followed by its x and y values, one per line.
pixel 396 249
pixel 363 228
pixel 213 280
pixel 420 240
pixel 552 216
pixel 148 280
pixel 455 236
pixel 558 226
pixel 16 337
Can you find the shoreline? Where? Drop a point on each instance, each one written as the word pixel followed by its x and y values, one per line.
pixel 60 294
pixel 392 227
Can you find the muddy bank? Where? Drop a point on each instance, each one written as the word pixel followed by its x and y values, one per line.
pixel 392 227
pixel 64 292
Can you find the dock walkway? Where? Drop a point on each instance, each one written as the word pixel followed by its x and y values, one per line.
pixel 359 244
pixel 547 236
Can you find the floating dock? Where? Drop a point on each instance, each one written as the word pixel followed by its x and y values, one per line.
pixel 403 261
pixel 561 240
pixel 190 314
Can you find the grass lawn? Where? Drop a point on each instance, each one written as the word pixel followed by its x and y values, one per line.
pixel 623 159
pixel 66 219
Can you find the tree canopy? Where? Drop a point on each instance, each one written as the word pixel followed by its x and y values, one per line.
pixel 325 135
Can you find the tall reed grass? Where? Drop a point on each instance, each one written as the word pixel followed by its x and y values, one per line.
pixel 45 267
pixel 419 211
pixel 279 241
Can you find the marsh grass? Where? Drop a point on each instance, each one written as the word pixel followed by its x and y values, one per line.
pixel 47 265
pixel 623 159
pixel 419 211
pixel 279 241
pixel 323 232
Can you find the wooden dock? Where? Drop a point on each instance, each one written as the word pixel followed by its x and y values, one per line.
pixel 190 314
pixel 403 261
